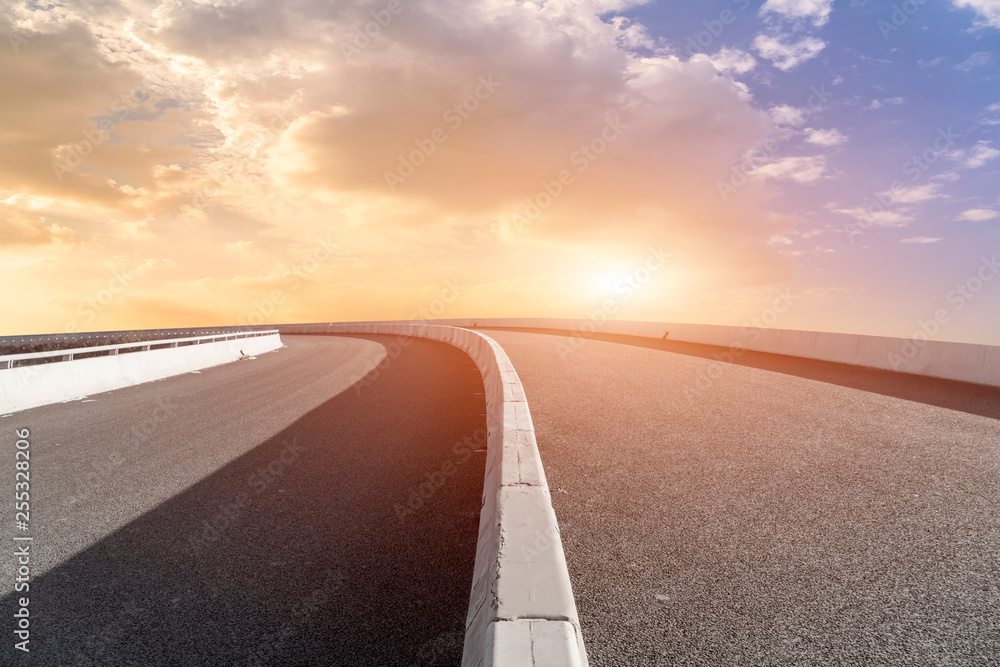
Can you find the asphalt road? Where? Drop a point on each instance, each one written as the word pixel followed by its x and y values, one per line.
pixel 777 511
pixel 266 512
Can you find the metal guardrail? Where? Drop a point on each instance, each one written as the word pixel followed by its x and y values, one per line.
pixel 8 361
pixel 85 338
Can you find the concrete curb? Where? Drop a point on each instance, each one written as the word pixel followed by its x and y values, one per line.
pixel 25 387
pixel 521 608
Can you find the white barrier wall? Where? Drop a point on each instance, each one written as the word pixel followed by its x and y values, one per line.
pixel 31 386
pixel 979 364
pixel 521 608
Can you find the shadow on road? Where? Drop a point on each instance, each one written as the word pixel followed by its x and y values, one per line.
pixel 953 395
pixel 347 539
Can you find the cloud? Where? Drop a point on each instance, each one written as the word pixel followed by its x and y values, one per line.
pixel 922 239
pixel 927 64
pixel 548 107
pixel 797 169
pixel 632 35
pixel 877 217
pixel 244 250
pixel 988 10
pixel 975 157
pixel 831 137
pixel 991 115
pixel 785 54
pixel 818 11
pixel 733 60
pixel 979 59
pixel 65 65
pixel 978 215
pixel 259 134
pixel 900 201
pixel 878 104
pixel 914 194
pixel 787 115
pixel 24 228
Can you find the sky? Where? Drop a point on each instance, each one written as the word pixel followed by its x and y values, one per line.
pixel 800 164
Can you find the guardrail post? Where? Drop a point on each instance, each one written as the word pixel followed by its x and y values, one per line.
pixel 145 348
pixel 7 363
pixel 66 357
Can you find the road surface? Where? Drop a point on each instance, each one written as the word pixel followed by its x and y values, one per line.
pixel 266 512
pixel 777 511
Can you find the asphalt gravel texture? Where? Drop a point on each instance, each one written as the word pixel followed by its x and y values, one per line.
pixel 772 511
pixel 274 511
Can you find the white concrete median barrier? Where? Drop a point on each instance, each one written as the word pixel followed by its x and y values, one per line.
pixel 548 643
pixel 521 607
pixel 116 366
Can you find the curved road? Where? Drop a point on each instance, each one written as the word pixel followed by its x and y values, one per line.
pixel 777 511
pixel 267 512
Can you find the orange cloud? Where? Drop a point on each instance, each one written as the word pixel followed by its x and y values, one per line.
pixel 522 149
